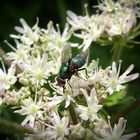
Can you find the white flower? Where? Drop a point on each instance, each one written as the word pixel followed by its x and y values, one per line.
pixel 48 41
pixel 95 72
pixel 77 22
pixel 33 110
pixel 92 33
pixel 20 54
pixel 78 83
pixel 114 81
pixel 61 39
pixel 29 35
pixel 57 99
pixel 120 23
pixel 115 133
pixel 89 111
pixel 119 18
pixel 54 38
pixel 110 77
pixel 95 78
pixel 7 79
pixel 109 5
pixel 59 128
pixel 38 69
pixel 91 27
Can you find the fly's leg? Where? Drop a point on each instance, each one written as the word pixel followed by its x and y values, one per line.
pixel 76 74
pixel 81 70
pixel 64 88
pixel 70 85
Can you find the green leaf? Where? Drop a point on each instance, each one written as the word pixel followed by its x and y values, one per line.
pixel 114 99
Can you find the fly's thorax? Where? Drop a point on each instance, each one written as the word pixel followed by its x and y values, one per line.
pixel 64 71
pixel 77 62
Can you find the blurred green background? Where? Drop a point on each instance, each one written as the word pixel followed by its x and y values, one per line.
pixel 12 10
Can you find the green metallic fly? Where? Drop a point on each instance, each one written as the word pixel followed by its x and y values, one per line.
pixel 70 65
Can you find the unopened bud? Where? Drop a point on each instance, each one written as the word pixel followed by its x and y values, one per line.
pixel 24 81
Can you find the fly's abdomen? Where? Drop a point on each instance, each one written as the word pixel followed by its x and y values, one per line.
pixel 77 62
pixel 64 71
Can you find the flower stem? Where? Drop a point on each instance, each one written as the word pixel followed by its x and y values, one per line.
pixel 85 7
pixel 73 114
pixel 125 112
pixel 119 43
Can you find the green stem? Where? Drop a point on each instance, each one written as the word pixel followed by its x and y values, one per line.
pixel 13 128
pixel 119 43
pixel 73 114
pixel 62 8
pixel 125 112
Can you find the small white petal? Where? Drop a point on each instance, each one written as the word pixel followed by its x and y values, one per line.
pixel 72 15
pixel 130 78
pixel 20 30
pixel 129 69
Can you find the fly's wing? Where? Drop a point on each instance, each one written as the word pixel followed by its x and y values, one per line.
pixel 85 54
pixel 66 53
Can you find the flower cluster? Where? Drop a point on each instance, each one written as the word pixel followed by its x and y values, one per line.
pixel 73 111
pixel 116 19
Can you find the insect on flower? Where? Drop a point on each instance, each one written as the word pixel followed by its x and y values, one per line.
pixel 70 65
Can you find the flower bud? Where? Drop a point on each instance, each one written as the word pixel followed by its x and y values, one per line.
pixel 24 81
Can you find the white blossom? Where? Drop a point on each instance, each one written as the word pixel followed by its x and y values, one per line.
pixel 59 128
pixel 113 81
pixel 60 39
pixel 32 109
pixel 68 96
pixel 35 92
pixel 115 133
pixel 95 72
pixel 89 111
pixel 120 23
pixel 109 5
pixel 28 35
pixel 77 22
pixel 78 83
pixel 38 69
pixel 54 38
pixel 19 54
pixel 118 17
pixel 7 79
pixel 91 27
